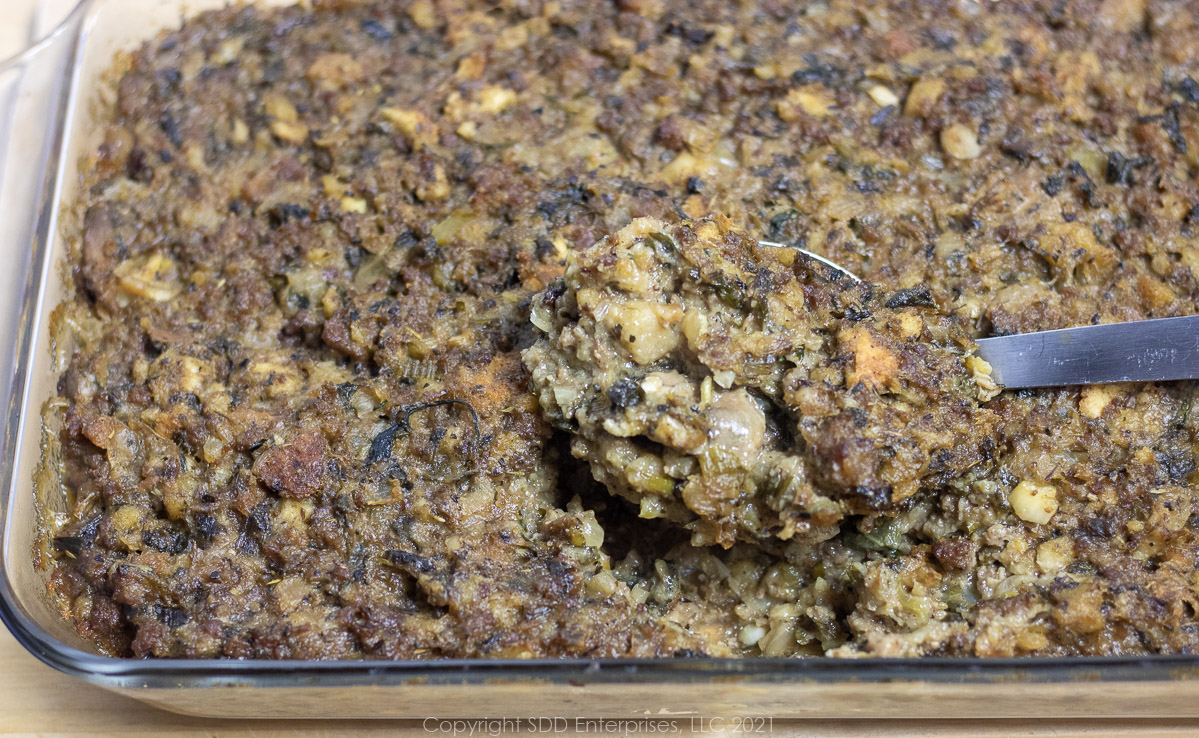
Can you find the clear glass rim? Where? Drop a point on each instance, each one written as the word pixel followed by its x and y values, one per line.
pixel 46 39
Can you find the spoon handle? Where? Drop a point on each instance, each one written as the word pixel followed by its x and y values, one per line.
pixel 1141 351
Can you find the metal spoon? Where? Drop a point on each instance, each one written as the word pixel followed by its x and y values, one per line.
pixel 1157 350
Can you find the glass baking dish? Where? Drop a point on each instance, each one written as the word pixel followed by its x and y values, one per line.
pixel 48 93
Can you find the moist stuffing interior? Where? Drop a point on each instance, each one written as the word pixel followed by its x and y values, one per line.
pixel 442 329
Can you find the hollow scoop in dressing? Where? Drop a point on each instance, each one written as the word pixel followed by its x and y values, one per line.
pixel 748 392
